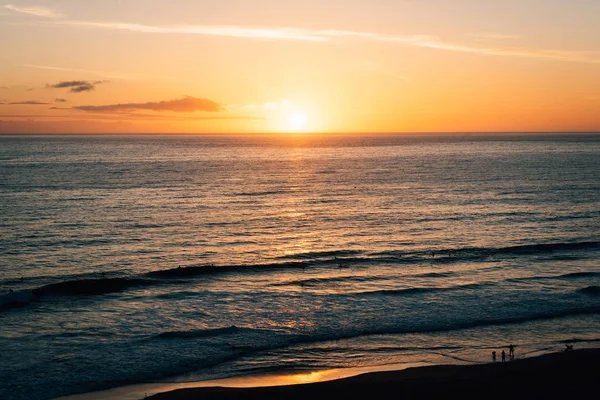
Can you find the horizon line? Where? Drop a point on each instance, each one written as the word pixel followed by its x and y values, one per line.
pixel 297 134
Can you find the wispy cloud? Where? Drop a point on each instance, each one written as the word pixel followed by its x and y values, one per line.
pixel 186 104
pixel 214 30
pixel 30 103
pixel 76 86
pixel 433 42
pixel 60 100
pixel 85 71
pixel 132 116
pixel 299 34
pixel 35 11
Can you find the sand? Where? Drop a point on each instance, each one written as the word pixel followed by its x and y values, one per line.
pixel 561 375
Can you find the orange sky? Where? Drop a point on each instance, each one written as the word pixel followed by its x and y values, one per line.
pixel 124 66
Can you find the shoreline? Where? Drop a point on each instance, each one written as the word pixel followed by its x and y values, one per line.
pixel 550 375
pixel 145 390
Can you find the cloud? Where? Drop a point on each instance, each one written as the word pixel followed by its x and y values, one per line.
pixel 30 103
pixel 60 100
pixel 313 35
pixel 85 71
pixel 214 30
pixel 76 86
pixel 35 11
pixel 134 116
pixel 88 87
pixel 186 104
pixel 433 42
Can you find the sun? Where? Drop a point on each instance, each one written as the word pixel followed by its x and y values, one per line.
pixel 297 121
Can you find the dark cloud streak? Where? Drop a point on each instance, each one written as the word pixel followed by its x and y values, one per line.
pixel 82 88
pixel 76 86
pixel 30 103
pixel 186 104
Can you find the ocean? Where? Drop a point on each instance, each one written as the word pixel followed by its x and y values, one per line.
pixel 129 259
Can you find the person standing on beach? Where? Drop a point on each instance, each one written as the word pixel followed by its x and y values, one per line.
pixel 511 351
pixel 503 356
pixel 493 356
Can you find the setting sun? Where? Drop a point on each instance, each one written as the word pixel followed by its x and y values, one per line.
pixel 297 121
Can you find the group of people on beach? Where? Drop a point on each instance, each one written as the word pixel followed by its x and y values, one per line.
pixel 511 353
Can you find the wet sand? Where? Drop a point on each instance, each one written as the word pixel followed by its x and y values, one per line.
pixel 552 376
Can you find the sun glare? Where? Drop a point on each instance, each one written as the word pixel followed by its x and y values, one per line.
pixel 297 121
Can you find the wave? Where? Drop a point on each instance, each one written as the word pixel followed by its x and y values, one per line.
pixel 544 247
pixel 15 299
pixel 466 253
pixel 82 287
pixel 422 329
pixel 267 193
pixel 327 280
pixel 322 254
pixel 576 340
pixel 572 275
pixel 198 333
pixel 456 326
pixel 586 274
pixel 420 290
pixel 436 275
pixel 590 290
pixel 182 272
pixel 77 287
pixel 348 258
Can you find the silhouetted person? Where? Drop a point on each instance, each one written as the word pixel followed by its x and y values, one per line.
pixel 569 347
pixel 493 356
pixel 511 351
pixel 503 356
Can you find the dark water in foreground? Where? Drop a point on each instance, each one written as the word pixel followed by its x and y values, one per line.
pixel 137 259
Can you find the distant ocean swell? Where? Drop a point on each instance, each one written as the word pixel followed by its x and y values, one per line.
pixel 91 286
pixel 95 287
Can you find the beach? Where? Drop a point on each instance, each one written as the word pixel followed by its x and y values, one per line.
pixel 272 199
pixel 551 376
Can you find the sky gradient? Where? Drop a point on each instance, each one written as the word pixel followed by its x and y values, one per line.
pixel 263 66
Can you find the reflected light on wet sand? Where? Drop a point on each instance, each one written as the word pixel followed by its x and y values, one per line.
pixel 136 392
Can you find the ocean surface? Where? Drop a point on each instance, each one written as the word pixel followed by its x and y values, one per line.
pixel 127 259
